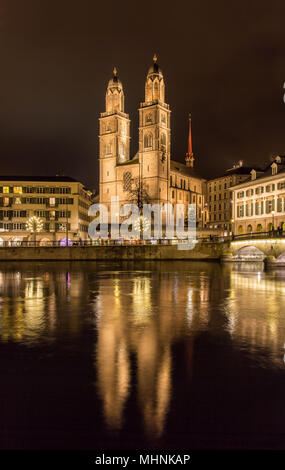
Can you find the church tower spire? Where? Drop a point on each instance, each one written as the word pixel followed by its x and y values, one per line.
pixel 154 135
pixel 115 99
pixel 114 137
pixel 154 85
pixel 189 159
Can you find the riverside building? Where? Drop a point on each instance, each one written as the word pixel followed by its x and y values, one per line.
pixel 259 202
pixel 219 196
pixel 48 209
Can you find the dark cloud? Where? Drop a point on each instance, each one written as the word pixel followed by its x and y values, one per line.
pixel 223 61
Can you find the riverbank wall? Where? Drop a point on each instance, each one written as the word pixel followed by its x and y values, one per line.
pixel 202 251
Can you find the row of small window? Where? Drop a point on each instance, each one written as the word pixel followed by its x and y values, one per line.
pixel 52 201
pixel 262 207
pixel 213 207
pixel 83 228
pixel 194 199
pixel 268 188
pixel 223 226
pixel 10 214
pixel 22 226
pixel 54 214
pixel 181 184
pixel 216 188
pixel 220 196
pixel 14 226
pixel 34 189
pixel 214 217
pixel 83 204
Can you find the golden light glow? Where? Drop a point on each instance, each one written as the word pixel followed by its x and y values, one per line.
pixel 18 189
pixel 34 224
pixel 141 224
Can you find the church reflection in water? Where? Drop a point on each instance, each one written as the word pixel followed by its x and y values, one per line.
pixel 137 317
pixel 140 317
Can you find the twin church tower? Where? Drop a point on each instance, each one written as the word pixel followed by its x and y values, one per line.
pixel 163 179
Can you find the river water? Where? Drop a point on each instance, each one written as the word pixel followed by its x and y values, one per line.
pixel 167 355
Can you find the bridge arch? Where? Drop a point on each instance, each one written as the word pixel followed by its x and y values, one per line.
pixel 249 253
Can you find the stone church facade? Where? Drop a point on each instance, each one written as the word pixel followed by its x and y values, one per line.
pixel 163 179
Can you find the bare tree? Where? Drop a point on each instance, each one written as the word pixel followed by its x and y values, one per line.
pixel 138 194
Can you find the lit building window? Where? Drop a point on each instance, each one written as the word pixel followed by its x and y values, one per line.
pixel 6 189
pixel 18 189
pixel 52 201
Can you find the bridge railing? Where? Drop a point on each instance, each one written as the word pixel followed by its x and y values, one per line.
pixel 259 235
pixel 121 242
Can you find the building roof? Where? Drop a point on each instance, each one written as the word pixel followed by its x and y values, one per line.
pixel 238 170
pixel 51 179
pixel 183 169
pixel 132 161
pixel 266 175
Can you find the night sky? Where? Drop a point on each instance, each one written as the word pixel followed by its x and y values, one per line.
pixel 222 60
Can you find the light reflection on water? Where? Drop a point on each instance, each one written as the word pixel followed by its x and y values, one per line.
pixel 143 331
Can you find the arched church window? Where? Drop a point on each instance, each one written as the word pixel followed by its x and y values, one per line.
pixel 127 181
pixel 148 141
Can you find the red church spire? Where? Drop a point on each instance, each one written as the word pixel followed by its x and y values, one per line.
pixel 189 155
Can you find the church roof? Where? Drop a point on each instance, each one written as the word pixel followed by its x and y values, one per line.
pixel 133 161
pixel 183 169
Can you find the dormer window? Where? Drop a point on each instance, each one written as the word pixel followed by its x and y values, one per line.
pixel 274 168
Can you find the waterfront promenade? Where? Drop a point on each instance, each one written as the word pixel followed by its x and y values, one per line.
pixel 266 247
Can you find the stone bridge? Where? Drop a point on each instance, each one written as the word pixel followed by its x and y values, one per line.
pixel 269 248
